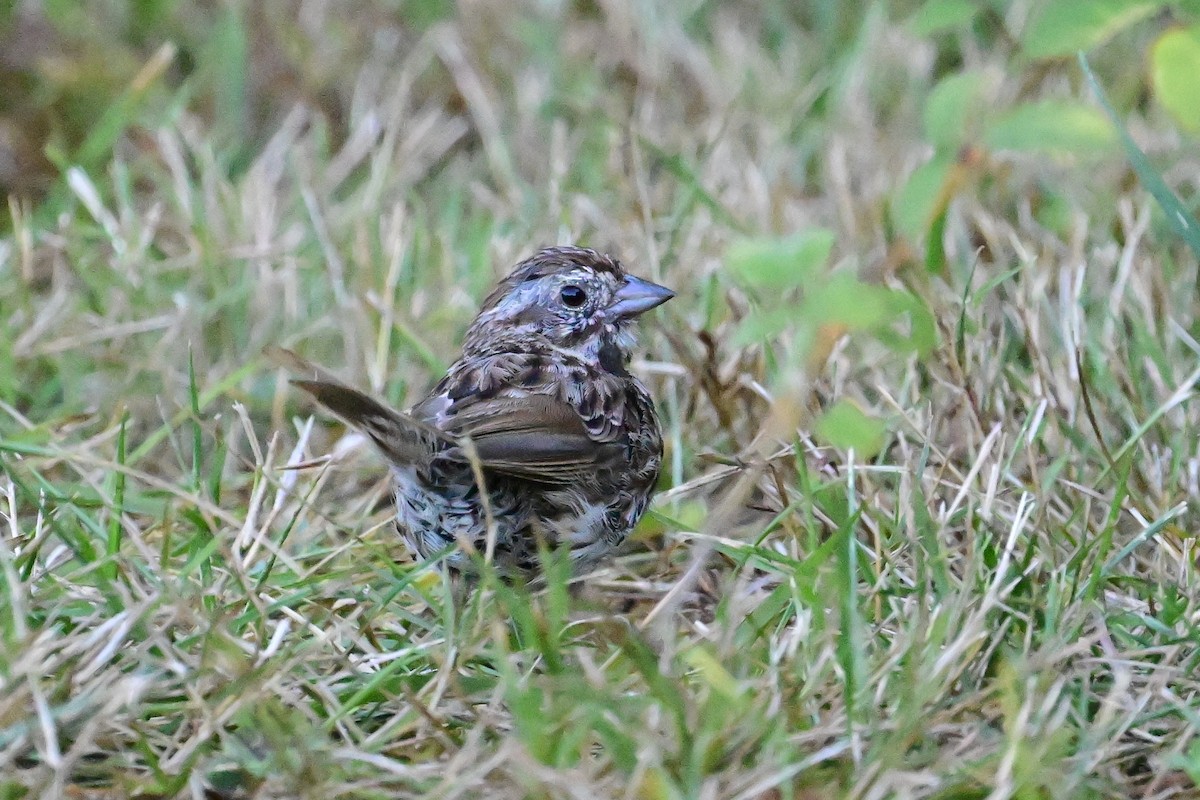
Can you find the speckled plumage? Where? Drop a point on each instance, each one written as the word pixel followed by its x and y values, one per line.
pixel 568 440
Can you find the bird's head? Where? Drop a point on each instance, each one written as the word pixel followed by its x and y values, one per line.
pixel 575 299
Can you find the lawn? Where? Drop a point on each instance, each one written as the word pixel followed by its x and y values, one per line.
pixel 926 522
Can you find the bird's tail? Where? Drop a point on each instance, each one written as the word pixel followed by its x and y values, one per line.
pixel 402 439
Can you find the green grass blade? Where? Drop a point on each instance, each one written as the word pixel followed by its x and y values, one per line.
pixel 1178 217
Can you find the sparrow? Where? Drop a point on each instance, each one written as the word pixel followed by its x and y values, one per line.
pixel 538 437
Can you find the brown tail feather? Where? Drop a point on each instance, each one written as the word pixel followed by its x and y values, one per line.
pixel 401 439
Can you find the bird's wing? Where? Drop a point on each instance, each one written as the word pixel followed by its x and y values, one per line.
pixel 534 437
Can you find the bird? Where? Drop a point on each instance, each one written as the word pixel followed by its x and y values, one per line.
pixel 538 439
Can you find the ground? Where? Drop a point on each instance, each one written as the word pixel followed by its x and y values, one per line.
pixel 925 523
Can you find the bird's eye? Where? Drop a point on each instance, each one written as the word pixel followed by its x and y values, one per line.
pixel 573 296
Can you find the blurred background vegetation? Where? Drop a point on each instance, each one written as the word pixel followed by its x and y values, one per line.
pixel 992 108
pixel 943 266
pixel 79 76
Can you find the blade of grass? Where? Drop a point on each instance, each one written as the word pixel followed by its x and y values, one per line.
pixel 1178 217
pixel 118 505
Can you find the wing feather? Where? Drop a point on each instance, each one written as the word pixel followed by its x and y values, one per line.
pixel 514 432
pixel 534 437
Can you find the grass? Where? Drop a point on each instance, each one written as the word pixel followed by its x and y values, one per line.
pixel 976 581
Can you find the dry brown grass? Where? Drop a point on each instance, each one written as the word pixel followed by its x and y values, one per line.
pixel 1001 603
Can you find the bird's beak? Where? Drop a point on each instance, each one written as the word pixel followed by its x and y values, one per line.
pixel 637 296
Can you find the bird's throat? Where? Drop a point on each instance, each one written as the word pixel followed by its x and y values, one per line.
pixel 612 358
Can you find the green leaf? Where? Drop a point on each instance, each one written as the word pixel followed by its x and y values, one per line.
pixel 940 15
pixel 919 200
pixel 780 263
pixel 1065 26
pixel 952 107
pixel 859 306
pixel 1051 126
pixel 1178 216
pixel 935 242
pixel 1175 66
pixel 921 337
pixel 764 325
pixel 1055 213
pixel 848 301
pixel 845 426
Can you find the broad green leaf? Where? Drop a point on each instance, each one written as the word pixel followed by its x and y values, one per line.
pixel 935 239
pixel 1051 126
pixel 1175 71
pixel 780 263
pixel 1065 26
pixel 845 426
pixel 848 301
pixel 908 311
pixel 952 107
pixel 1053 212
pixel 939 15
pixel 919 200
pixel 764 324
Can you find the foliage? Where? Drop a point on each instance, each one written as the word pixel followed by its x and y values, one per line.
pixel 925 526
